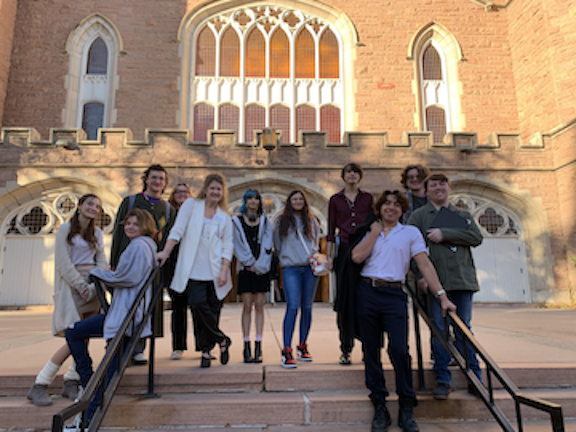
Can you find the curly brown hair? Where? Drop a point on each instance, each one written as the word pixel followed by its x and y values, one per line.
pixel 423 172
pixel 400 197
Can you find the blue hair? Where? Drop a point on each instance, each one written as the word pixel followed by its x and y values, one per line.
pixel 251 193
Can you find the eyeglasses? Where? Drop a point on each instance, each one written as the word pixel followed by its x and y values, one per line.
pixel 389 192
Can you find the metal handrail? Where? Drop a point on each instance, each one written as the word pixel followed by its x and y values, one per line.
pixel 97 382
pixel 486 393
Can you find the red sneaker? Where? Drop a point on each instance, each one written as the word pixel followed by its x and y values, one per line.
pixel 288 361
pixel 303 353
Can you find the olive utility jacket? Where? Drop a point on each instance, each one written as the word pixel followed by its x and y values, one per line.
pixel 452 258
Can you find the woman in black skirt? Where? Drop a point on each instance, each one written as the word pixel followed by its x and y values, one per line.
pixel 253 249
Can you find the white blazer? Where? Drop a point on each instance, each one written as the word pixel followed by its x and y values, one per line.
pixel 187 230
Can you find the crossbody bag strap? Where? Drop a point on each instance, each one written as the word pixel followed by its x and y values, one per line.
pixel 303 242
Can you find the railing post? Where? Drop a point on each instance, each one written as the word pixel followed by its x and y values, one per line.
pixel 421 383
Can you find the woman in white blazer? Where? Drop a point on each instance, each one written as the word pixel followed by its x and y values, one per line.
pixel 204 230
pixel 78 249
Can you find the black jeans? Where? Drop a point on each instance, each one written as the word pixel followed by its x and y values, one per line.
pixel 383 309
pixel 346 338
pixel 206 308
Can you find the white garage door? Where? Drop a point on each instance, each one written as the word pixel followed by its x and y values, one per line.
pixel 501 258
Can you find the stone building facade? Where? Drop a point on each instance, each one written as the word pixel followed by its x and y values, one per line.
pixel 92 92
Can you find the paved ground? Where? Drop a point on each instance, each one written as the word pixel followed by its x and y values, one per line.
pixel 510 334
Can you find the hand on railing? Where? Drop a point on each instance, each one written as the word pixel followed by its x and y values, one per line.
pixel 162 256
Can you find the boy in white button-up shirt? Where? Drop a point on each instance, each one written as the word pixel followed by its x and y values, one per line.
pixel 381 303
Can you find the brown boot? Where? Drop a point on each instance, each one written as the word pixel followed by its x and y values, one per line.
pixel 38 394
pixel 70 389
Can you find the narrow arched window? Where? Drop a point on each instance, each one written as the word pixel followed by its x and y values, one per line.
pixel 434 90
pixel 255 117
pixel 280 120
pixel 305 118
pixel 205 53
pixel 97 63
pixel 228 116
pixel 329 56
pixel 230 54
pixel 305 55
pixel 330 122
pixel 279 55
pixel 255 54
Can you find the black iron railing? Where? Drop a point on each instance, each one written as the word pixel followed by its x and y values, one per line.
pixel 121 347
pixel 493 371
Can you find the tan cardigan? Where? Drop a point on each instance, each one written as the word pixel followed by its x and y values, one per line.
pixel 66 278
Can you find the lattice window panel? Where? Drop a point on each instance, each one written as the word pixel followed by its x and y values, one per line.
pixel 254 118
pixel 436 123
pixel 279 55
pixel 431 64
pixel 97 58
pixel 305 55
pixel 305 118
pixel 230 54
pixel 229 116
pixel 329 56
pixel 492 219
pixel 206 53
pixel 330 121
pixel 280 119
pixel 255 54
pixel 92 119
pixel 203 121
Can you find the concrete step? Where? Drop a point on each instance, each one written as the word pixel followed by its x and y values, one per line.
pixel 309 377
pixel 272 408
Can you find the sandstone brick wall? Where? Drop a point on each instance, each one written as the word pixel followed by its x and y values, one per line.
pixel 542 35
pixel 148 97
pixel 7 18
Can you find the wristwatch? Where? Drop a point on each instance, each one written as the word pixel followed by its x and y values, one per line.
pixel 439 293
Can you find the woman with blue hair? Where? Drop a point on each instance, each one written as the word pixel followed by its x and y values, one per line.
pixel 253 249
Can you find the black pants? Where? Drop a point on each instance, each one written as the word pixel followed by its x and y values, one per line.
pixel 345 335
pixel 180 320
pixel 383 309
pixel 206 309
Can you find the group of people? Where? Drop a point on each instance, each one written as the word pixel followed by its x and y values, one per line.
pixel 373 248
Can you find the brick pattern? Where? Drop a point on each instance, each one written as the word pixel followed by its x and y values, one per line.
pixel 7 19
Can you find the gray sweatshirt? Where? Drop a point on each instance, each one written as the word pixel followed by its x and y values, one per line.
pixel 132 271
pixel 290 250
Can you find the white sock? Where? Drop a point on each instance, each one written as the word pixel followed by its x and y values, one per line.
pixel 47 374
pixel 71 374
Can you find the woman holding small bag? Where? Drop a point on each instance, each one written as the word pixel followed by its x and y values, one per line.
pixel 296 236
pixel 78 249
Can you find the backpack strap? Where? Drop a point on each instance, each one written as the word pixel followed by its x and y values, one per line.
pixel 131 200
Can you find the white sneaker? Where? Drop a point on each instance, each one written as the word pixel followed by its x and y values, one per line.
pixel 75 425
pixel 139 359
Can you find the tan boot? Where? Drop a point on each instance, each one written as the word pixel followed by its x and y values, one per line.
pixel 70 389
pixel 38 394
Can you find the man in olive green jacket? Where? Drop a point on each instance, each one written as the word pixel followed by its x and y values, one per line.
pixel 451 255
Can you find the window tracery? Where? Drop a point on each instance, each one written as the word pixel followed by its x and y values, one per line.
pixel 44 216
pixel 492 220
pixel 280 67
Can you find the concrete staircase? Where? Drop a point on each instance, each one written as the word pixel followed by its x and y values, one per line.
pixel 313 397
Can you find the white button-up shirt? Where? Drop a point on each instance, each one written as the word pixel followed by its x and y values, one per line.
pixel 391 254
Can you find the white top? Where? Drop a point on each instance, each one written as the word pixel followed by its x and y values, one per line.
pixel 201 268
pixel 80 252
pixel 390 257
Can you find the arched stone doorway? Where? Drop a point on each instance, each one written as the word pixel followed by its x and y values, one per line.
pixel 28 233
pixel 274 192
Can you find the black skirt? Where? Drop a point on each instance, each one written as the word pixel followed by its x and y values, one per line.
pixel 249 282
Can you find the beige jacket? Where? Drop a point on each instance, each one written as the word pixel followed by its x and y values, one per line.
pixel 67 278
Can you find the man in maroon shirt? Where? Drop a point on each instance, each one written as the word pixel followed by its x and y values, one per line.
pixel 347 210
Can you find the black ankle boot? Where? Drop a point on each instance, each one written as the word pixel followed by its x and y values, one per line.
pixel 406 419
pixel 258 352
pixel 247 353
pixel 382 419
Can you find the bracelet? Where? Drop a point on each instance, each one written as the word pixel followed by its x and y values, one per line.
pixel 439 293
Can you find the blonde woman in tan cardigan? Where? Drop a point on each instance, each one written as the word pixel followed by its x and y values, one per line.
pixel 78 250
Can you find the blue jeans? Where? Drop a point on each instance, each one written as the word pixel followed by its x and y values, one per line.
pixel 299 290
pixel 76 338
pixel 463 302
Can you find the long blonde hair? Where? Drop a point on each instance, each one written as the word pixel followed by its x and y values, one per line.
pixel 218 178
